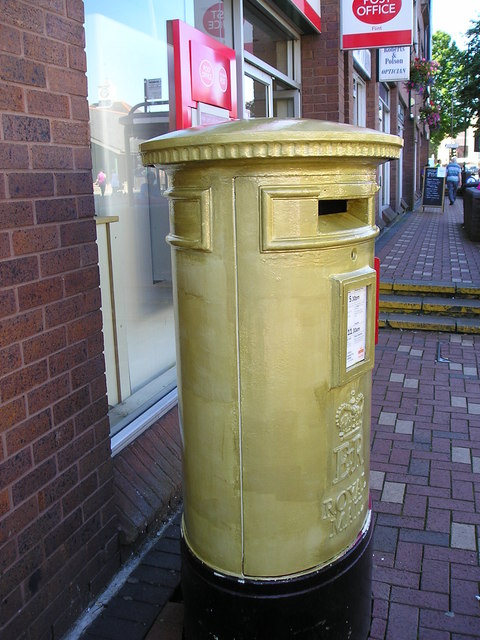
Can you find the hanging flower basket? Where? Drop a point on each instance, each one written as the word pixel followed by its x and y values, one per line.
pixel 430 114
pixel 422 74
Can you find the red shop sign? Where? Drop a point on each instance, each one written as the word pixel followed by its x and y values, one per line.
pixel 210 71
pixel 201 70
pixel 374 24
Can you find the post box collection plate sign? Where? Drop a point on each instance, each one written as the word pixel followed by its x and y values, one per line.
pixel 356 326
pixel 367 24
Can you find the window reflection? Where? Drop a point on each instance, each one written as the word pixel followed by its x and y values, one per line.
pixel 283 100
pixel 270 85
pixel 214 19
pixel 256 98
pixel 134 257
pixel 127 63
pixel 266 40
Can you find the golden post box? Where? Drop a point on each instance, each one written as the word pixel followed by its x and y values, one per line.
pixel 272 225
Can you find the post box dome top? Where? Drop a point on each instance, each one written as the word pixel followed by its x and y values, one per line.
pixel 264 138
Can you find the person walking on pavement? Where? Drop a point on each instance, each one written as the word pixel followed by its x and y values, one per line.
pixel 454 179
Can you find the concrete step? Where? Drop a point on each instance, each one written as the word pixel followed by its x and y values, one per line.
pixel 437 289
pixel 422 322
pixel 431 305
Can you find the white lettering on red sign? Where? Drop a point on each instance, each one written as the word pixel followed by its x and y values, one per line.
pixel 222 79
pixel 211 78
pixel 206 73
pixel 376 11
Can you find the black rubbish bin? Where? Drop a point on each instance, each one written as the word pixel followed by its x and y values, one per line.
pixel 471 213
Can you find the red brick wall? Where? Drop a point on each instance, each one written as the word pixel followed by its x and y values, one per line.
pixel 58 539
pixel 348 97
pixel 372 120
pixel 323 77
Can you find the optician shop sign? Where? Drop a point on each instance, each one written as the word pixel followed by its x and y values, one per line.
pixel 371 24
pixel 393 64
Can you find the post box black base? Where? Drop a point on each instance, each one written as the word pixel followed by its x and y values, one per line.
pixel 332 603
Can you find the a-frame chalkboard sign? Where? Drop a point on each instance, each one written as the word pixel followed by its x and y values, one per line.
pixel 433 192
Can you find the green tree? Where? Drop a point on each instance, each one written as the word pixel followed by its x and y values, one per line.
pixel 446 93
pixel 470 93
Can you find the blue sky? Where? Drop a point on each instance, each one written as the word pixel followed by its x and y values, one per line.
pixel 126 42
pixel 454 18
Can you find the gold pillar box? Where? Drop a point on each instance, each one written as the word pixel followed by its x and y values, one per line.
pixel 272 224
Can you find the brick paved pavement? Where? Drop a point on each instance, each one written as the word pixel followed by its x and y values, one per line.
pixel 425 460
pixel 425 454
pixel 429 246
pixel 425 466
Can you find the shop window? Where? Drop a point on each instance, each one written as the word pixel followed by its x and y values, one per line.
pixel 271 52
pixel 257 97
pixel 128 102
pixel 127 69
pixel 267 40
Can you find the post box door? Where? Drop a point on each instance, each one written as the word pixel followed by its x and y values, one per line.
pixel 304 486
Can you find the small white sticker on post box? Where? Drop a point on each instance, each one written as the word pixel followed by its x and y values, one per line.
pixel 356 326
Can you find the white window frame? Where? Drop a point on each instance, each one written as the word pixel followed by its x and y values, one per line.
pixel 251 66
pixel 359 101
pixel 384 193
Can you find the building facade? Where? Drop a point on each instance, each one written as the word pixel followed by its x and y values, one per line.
pixel 90 446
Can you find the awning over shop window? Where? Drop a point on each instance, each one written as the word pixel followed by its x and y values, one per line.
pixel 304 13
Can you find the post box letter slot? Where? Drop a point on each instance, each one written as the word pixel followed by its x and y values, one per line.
pixel 326 207
pixel 300 217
